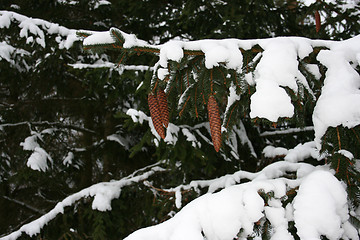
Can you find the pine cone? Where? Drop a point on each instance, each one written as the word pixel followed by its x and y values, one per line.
pixel 317 21
pixel 215 122
pixel 156 115
pixel 163 106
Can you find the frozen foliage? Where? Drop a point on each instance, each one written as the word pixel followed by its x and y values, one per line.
pixel 277 70
pixel 339 103
pixel 234 211
pixel 103 193
pixel 35 30
pixel 7 51
pixel 39 158
pixel 297 154
pixel 320 206
pixel 193 133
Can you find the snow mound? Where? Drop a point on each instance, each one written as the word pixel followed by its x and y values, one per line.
pixel 320 208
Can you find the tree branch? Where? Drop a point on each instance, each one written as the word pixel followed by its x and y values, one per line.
pixel 24 205
pixel 52 124
pixel 287 131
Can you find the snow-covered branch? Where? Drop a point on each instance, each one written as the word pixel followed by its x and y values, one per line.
pixel 35 30
pixel 287 131
pixel 234 211
pixel 277 70
pixel 103 194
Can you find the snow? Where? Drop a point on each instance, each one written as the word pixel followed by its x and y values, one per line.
pixel 101 3
pixel 38 159
pixel 162 73
pixel 99 38
pixel 171 50
pixel 302 152
pixel 277 218
pixel 346 153
pixel 272 152
pixel 30 143
pixel 223 214
pixel 320 208
pixel 339 102
pixel 7 53
pixel 68 160
pixel 276 70
pixel 35 30
pixel 119 139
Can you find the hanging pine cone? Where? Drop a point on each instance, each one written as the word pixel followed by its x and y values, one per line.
pixel 215 122
pixel 156 115
pixel 317 21
pixel 163 106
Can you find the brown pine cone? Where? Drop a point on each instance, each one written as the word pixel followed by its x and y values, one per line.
pixel 163 106
pixel 215 122
pixel 156 115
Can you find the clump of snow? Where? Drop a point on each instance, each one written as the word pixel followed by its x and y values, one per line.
pixel 225 51
pixel 38 159
pixel 103 195
pixel 172 132
pixel 272 152
pixel 171 50
pixel 346 153
pixel 278 68
pixel 278 220
pixel 99 3
pixel 68 160
pixel 162 73
pixel 302 152
pixel 270 101
pixel 119 139
pixel 137 116
pixel 36 29
pixel 99 38
pixel 339 102
pixel 30 143
pixel 320 208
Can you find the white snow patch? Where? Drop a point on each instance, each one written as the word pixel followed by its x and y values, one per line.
pixel 68 160
pixel 339 102
pixel 272 152
pixel 320 207
pixel 38 159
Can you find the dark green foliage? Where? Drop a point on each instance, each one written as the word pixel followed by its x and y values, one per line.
pixel 83 107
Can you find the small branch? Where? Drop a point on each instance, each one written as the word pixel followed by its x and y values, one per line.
pixel 287 131
pixel 338 136
pixel 24 205
pixel 46 123
pixel 35 226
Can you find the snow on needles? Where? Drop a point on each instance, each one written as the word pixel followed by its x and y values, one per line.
pixel 103 194
pixel 233 212
pixel 339 102
pixel 277 69
pixel 31 28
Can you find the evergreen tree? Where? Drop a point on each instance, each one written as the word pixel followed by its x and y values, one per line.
pixel 76 118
